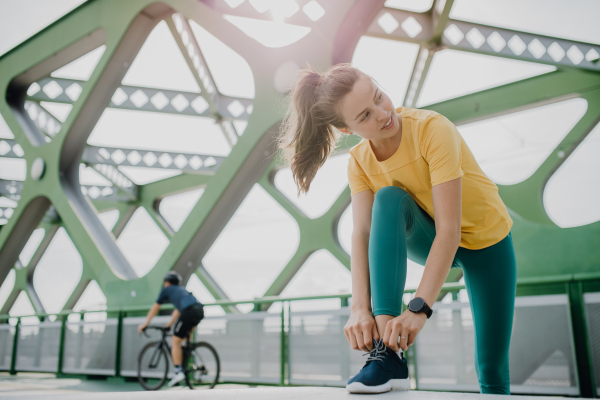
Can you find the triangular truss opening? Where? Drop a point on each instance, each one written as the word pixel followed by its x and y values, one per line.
pixel 160 64
pixel 58 272
pixel 142 242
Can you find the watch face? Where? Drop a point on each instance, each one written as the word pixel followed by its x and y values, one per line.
pixel 416 304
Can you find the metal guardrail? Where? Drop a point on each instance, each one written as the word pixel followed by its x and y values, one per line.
pixel 572 288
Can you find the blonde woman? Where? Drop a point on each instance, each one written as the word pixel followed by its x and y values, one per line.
pixel 418 193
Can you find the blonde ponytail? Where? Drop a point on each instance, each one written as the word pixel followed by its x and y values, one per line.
pixel 310 129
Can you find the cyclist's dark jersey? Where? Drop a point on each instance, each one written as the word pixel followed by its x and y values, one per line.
pixel 178 296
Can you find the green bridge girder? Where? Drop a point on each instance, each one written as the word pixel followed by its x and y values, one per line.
pixel 543 249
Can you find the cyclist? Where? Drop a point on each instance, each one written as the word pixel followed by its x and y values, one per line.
pixel 188 312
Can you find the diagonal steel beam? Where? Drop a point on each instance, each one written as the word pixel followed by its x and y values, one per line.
pixel 440 13
pixel 213 287
pixel 417 78
pixel 526 198
pixel 186 40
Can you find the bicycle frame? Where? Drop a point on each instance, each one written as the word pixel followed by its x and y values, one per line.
pixel 162 342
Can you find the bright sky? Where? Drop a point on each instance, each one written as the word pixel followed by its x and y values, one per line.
pixel 509 148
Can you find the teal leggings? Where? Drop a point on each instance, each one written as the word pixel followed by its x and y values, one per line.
pixel 400 229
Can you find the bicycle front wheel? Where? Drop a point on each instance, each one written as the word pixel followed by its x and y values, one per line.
pixel 202 366
pixel 153 366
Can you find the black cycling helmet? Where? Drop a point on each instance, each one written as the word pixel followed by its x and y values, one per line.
pixel 173 278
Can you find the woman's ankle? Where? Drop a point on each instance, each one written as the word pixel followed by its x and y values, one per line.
pixel 381 321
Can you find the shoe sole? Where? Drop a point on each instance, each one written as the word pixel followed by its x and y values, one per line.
pixel 172 383
pixel 392 384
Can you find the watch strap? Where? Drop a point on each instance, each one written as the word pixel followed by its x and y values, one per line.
pixel 425 309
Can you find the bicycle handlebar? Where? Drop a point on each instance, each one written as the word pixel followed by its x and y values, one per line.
pixel 163 329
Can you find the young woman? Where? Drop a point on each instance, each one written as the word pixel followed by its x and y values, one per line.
pixel 417 192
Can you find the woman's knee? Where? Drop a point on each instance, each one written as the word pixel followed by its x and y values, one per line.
pixel 389 196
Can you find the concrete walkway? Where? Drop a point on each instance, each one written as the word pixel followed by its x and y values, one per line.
pixel 286 393
pixel 47 387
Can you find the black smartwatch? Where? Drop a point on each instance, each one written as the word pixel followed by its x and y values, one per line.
pixel 418 305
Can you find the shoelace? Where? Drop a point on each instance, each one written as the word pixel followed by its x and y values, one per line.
pixel 378 353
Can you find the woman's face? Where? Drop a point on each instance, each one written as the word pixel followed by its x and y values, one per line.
pixel 368 112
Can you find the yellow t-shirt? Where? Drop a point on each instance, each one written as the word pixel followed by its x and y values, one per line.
pixel 432 152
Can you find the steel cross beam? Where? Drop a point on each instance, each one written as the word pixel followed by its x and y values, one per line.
pixel 118 179
pixel 43 119
pixel 420 28
pixel 138 98
pixel 94 155
pixel 11 189
pixel 198 163
pixel 489 40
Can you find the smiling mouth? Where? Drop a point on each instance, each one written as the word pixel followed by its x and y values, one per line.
pixel 388 123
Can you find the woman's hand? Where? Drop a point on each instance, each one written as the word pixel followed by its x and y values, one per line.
pixel 360 329
pixel 405 327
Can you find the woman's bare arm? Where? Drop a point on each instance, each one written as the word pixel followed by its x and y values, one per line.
pixel 361 326
pixel 447 208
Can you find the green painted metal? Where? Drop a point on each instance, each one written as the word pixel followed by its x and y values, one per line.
pixel 574 289
pixel 13 357
pixel 583 355
pixel 61 345
pixel 282 348
pixel 118 347
pixel 548 257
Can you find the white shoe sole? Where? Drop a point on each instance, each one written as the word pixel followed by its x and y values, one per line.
pixel 392 384
pixel 175 381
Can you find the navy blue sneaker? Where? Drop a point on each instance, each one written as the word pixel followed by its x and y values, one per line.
pixel 384 371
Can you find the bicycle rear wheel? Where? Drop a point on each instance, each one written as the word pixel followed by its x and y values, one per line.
pixel 153 366
pixel 202 366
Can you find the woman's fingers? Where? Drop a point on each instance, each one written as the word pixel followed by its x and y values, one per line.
pixel 351 338
pixel 367 336
pixel 411 338
pixel 375 332
pixel 359 338
pixel 393 327
pixel 404 338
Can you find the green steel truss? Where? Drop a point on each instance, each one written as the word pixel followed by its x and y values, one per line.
pixel 56 199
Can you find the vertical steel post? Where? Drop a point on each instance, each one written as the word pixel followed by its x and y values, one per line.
pixel 287 342
pixel 13 358
pixel 457 330
pixel 582 348
pixel 119 343
pixel 282 347
pixel 61 345
pixel 343 302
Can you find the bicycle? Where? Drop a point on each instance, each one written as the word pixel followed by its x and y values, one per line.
pixel 200 360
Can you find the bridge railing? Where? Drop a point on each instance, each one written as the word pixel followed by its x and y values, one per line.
pixel 555 346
